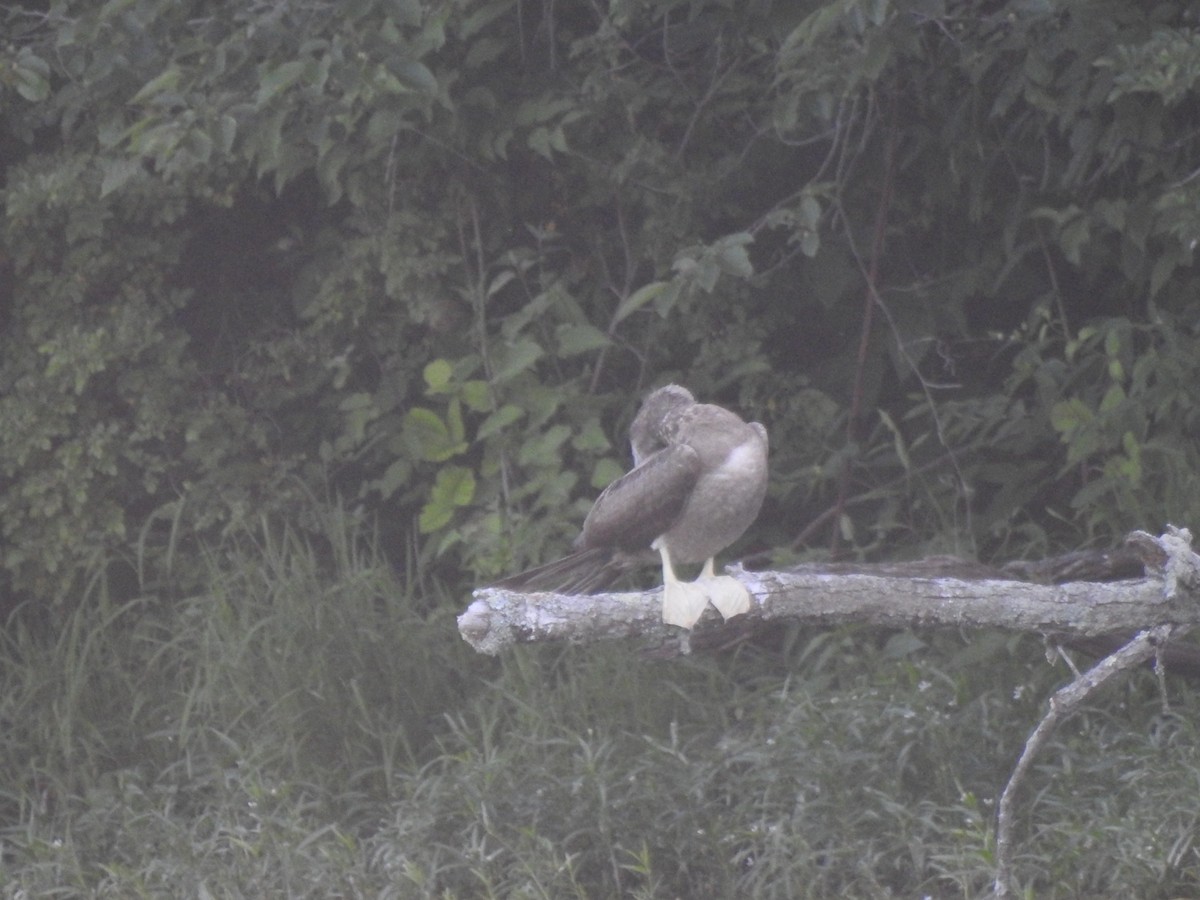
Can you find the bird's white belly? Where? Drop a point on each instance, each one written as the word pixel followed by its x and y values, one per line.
pixel 723 505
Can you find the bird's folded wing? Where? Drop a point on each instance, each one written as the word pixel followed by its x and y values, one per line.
pixel 644 503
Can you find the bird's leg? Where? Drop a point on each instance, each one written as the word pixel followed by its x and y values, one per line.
pixel 683 602
pixel 727 594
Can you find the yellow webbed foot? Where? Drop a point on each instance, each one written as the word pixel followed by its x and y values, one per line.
pixel 727 594
pixel 683 603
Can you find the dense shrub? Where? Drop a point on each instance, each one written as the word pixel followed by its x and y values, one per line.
pixel 426 256
pixel 413 262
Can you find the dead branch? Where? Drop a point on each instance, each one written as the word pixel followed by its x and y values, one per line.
pixel 1064 704
pixel 1156 608
pixel 497 619
pixel 1177 572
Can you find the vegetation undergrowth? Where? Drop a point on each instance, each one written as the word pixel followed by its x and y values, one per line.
pixel 311 727
pixel 427 255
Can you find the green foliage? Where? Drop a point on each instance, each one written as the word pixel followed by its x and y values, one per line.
pixel 224 727
pixel 303 729
pixel 422 257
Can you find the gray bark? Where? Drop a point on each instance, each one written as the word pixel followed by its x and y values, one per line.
pixel 1154 609
pixel 497 619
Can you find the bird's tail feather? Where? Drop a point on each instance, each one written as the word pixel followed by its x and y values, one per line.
pixel 582 572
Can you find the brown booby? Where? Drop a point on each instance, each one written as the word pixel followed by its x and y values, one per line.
pixel 698 479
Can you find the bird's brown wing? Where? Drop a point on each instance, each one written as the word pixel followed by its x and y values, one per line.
pixel 642 504
pixel 629 514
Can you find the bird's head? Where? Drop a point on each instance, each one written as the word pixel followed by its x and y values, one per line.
pixel 649 431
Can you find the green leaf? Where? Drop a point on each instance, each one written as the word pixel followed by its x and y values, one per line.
pixel 434 516
pixel 1131 466
pixel 605 472
pixel 512 359
pixel 117 173
pixel 359 410
pixel 497 284
pixel 476 395
pixel 732 255
pixel 429 437
pixel 499 420
pixel 516 322
pixel 897 440
pixel 1073 237
pixel 546 141
pixel 580 338
pixel 543 449
pixel 416 76
pixel 394 477
pixel 482 15
pixel 454 423
pixel 437 376
pixel 454 487
pixel 31 74
pixel 1113 398
pixel 278 80
pixel 707 271
pixel 824 19
pixel 1164 267
pixel 159 84
pixel 226 131
pixel 265 139
pixel 1068 416
pixel 590 438
pixel 639 298
pixel 902 644
pixel 382 127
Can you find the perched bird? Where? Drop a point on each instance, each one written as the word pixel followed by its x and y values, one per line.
pixel 699 477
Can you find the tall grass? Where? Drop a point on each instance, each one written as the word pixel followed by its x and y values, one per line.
pixel 309 726
pixel 260 721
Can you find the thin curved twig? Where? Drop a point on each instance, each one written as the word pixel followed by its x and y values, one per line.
pixel 1064 704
